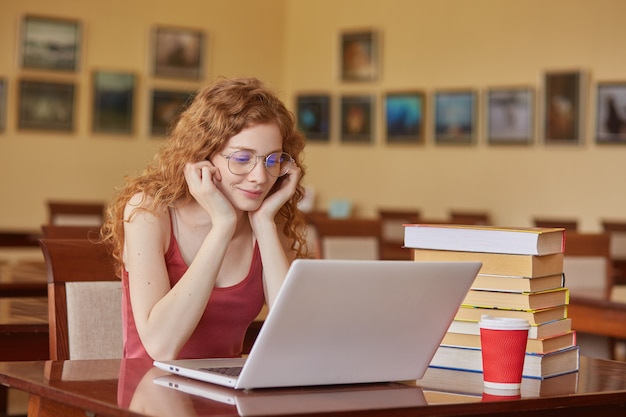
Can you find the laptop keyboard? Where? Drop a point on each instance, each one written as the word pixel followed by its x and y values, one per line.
pixel 228 370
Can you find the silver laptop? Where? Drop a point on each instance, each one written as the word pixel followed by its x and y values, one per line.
pixel 297 401
pixel 346 322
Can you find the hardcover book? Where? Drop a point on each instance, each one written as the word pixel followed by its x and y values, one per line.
pixel 511 240
pixel 498 263
pixel 536 331
pixel 536 365
pixel 534 317
pixel 522 301
pixel 544 345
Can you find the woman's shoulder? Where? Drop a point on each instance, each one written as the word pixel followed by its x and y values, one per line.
pixel 142 205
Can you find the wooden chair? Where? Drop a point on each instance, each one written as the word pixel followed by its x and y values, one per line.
pixel 570 225
pixel 392 232
pixel 75 213
pixel 588 274
pixel 617 230
pixel 70 232
pixel 348 238
pixel 84 300
pixel 587 264
pixel 469 217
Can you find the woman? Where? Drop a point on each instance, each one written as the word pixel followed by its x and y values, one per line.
pixel 205 235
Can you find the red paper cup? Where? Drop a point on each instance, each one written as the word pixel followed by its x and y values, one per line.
pixel 499 394
pixel 503 343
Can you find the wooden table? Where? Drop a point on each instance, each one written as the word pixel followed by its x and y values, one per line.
pixel 124 388
pixel 598 316
pixel 23 333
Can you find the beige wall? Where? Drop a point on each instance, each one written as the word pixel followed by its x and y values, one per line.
pixel 244 38
pixel 292 44
pixel 466 43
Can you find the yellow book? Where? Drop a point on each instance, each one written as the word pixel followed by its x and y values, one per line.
pixel 534 317
pixel 522 301
pixel 517 284
pixel 536 331
pixel 499 264
pixel 545 345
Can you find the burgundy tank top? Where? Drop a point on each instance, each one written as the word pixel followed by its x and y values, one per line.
pixel 222 328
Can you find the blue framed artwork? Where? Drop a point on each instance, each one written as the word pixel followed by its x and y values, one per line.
pixel 313 114
pixel 611 112
pixel 455 116
pixel 113 102
pixel 357 121
pixel 404 117
pixel 510 115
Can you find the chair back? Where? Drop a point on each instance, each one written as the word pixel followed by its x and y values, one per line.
pixel 351 238
pixel 392 232
pixel 470 217
pixel 570 225
pixel 587 264
pixel 70 232
pixel 75 213
pixel 84 300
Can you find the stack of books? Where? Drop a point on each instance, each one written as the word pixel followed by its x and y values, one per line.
pixel 521 277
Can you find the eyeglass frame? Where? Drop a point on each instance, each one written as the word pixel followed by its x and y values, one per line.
pixel 256 158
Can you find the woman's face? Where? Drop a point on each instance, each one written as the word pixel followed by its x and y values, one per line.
pixel 246 191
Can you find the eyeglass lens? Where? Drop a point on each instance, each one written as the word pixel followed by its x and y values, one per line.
pixel 243 162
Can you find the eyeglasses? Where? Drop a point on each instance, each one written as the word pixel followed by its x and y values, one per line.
pixel 277 164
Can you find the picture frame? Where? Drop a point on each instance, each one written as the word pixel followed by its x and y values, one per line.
pixel 313 116
pixel 3 104
pixel 359 56
pixel 455 116
pixel 166 107
pixel 563 107
pixel 611 112
pixel 357 118
pixel 510 115
pixel 46 105
pixel 113 102
pixel 178 53
pixel 50 43
pixel 405 116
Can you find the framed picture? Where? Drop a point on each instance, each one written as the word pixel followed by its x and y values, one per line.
pixel 178 53
pixel 359 56
pixel 510 114
pixel 611 112
pixel 313 113
pixel 113 102
pixel 50 44
pixel 563 107
pixel 404 117
pixel 3 105
pixel 46 105
pixel 357 121
pixel 455 116
pixel 166 107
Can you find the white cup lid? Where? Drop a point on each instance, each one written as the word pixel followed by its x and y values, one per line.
pixel 502 323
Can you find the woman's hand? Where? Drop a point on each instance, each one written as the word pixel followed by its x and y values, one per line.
pixel 201 179
pixel 276 200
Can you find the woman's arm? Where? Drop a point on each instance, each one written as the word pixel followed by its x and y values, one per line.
pixel 166 317
pixel 275 252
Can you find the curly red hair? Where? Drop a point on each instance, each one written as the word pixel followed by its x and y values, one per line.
pixel 218 112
